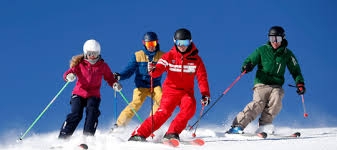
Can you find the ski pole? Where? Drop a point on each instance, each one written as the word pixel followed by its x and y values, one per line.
pixel 230 86
pixel 201 112
pixel 44 110
pixel 115 103
pixel 122 95
pixel 151 91
pixel 305 114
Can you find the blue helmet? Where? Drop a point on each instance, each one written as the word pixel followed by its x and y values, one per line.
pixel 150 36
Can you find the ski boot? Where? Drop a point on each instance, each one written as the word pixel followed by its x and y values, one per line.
pixel 235 130
pixel 268 128
pixel 169 136
pixel 137 138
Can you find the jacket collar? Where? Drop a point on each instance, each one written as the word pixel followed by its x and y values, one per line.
pixel 191 50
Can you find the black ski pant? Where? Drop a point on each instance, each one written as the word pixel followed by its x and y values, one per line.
pixel 75 116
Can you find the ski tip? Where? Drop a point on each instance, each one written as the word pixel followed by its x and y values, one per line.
pixel 262 135
pixel 297 134
pixel 198 142
pixel 172 142
pixel 83 146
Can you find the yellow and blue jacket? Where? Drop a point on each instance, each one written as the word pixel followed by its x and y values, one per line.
pixel 138 65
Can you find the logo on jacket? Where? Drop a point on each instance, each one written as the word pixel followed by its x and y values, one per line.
pixel 189 69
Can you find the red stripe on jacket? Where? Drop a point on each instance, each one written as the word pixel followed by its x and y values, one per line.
pixel 182 69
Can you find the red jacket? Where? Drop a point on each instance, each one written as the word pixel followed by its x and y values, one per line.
pixel 182 69
pixel 89 78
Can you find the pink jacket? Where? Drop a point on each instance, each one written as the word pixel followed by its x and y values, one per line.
pixel 89 78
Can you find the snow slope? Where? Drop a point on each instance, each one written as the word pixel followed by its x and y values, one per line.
pixel 311 139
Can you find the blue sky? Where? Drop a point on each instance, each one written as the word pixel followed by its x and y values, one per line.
pixel 39 38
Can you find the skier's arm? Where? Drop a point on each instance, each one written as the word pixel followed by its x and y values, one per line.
pixel 159 68
pixel 294 68
pixel 129 69
pixel 70 70
pixel 108 75
pixel 201 76
pixel 251 61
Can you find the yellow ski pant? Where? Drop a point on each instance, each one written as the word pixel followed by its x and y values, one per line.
pixel 139 97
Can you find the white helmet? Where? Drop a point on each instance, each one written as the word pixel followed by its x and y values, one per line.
pixel 91 45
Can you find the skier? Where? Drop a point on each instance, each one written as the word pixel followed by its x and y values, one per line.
pixel 182 64
pixel 89 68
pixel 138 65
pixel 272 59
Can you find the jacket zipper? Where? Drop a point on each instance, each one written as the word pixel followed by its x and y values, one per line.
pixel 182 66
pixel 279 67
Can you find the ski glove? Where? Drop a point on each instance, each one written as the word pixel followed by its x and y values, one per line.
pixel 71 77
pixel 150 66
pixel 117 76
pixel 205 100
pixel 248 67
pixel 117 87
pixel 300 88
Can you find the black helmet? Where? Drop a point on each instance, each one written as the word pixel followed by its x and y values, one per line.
pixel 182 34
pixel 276 31
pixel 150 36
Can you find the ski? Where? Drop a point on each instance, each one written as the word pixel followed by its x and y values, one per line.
pixel 293 135
pixel 175 142
pixel 196 141
pixel 81 146
pixel 171 142
pixel 56 147
pixel 261 135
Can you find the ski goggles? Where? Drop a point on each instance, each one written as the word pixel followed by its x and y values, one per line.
pixel 277 39
pixel 182 42
pixel 92 53
pixel 151 43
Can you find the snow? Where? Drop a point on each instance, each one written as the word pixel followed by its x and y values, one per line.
pixel 311 139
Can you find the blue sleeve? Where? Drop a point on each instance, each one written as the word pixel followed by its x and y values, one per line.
pixel 129 69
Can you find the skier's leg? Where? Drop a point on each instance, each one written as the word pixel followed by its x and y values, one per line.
pixel 187 111
pixel 73 118
pixel 92 114
pixel 254 108
pixel 274 106
pixel 168 104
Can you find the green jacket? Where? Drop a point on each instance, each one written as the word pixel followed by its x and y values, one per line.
pixel 272 64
